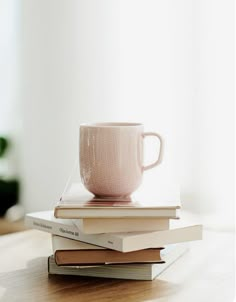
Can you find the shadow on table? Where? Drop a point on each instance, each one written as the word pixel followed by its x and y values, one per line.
pixel 34 284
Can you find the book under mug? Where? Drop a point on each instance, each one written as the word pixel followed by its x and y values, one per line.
pixel 79 203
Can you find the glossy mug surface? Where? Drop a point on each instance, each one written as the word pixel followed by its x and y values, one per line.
pixel 111 157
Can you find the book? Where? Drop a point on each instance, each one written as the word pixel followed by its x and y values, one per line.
pixel 71 252
pixel 123 242
pixel 46 222
pixel 116 225
pixel 79 203
pixel 127 271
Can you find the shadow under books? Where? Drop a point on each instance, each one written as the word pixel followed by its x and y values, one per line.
pixel 33 283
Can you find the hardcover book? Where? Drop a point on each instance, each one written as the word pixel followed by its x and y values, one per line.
pixel 126 271
pixel 79 203
pixel 123 242
pixel 71 252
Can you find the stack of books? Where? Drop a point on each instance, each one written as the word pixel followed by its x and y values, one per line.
pixel 129 238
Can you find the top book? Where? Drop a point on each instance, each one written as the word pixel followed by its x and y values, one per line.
pixel 79 203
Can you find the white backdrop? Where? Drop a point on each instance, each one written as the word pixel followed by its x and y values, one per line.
pixel 168 64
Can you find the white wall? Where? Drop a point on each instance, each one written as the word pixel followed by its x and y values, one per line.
pixel 213 109
pixel 69 76
pixel 9 101
pixel 167 64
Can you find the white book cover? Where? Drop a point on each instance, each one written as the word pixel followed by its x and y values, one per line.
pixel 46 222
pixel 125 271
pixel 123 242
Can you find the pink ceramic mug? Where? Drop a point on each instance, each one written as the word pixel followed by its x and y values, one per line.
pixel 111 157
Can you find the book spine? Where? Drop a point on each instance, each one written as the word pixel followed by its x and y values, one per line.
pixel 53 228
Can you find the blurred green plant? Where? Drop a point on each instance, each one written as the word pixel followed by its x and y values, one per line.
pixel 3 145
pixel 9 188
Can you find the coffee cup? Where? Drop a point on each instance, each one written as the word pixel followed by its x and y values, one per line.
pixel 111 157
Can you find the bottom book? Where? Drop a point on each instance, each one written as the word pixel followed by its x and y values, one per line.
pixel 127 271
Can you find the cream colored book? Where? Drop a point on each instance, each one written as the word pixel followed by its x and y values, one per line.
pixel 88 206
pixel 79 203
pixel 116 225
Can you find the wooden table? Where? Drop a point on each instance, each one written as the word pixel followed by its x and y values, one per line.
pixel 205 273
pixel 7 226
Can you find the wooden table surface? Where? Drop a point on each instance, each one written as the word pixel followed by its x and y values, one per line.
pixel 205 273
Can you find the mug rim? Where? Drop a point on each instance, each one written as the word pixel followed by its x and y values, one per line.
pixel 111 124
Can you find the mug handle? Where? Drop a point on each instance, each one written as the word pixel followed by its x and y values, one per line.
pixel 160 156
